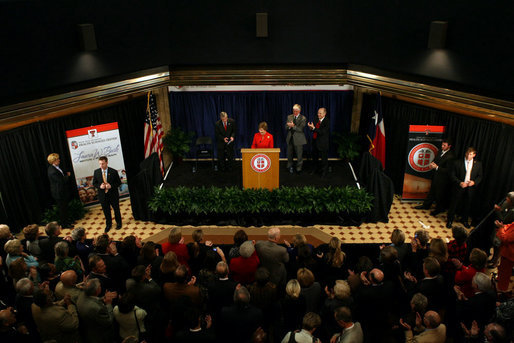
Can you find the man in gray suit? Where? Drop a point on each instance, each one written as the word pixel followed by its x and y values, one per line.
pixel 273 257
pixel 352 331
pixel 95 315
pixel 295 138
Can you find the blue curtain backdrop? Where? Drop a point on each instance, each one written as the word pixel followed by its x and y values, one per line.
pixel 198 111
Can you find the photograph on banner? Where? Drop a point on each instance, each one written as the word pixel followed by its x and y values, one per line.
pixel 422 147
pixel 86 146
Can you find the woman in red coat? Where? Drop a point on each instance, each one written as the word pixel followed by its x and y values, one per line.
pixel 506 236
pixel 262 139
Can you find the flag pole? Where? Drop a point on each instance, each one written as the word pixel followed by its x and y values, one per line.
pixel 166 176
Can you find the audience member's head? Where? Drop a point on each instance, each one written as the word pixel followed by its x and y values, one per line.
pixel 311 321
pixel 241 296
pixel 432 319
pixel 61 249
pixel 69 278
pixel 423 237
pixel 24 287
pixel 364 264
pixel 138 273
pixel 343 316
pixel 293 288
pixel 397 237
pixel 478 259
pixel 376 276
pixel 305 277
pixel 388 255
pixel 18 269
pixel 7 318
pixel 42 298
pixel 148 251
pixel 431 267
pixel 197 235
pixel 169 263
pixel 495 333
pixel 78 234
pixel 222 269
pixel 97 265
pixel 419 303
pixel 262 276
pixel 92 287
pixel 299 239
pixel 481 282
pixel 5 232
pixel 52 229
pixel 175 235
pixel 181 274
pixel 342 289
pixel 13 247
pixel 31 232
pixel 246 249
pixel 274 234
pixel 47 271
pixel 240 237
pixel 102 243
pixel 126 303
pixel 460 234
pixel 439 250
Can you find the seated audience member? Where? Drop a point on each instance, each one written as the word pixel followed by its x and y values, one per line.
pixel 63 262
pixel 331 266
pixel 10 330
pixel 53 230
pixel 506 236
pixel 293 306
pixel 148 256
pixel 96 317
pixel 398 242
pixel 196 331
pixel 439 250
pixel 458 248
pixel 292 248
pixel 481 307
pixel 197 250
pixel 167 268
pixel 19 270
pixel 311 321
pixel 14 251
pixel 99 272
pixel 55 321
pixel 238 322
pixel 221 290
pixel 244 266
pixel 431 328
pixel 176 244
pixel 130 318
pixel 23 304
pixel 239 238
pixel 352 331
pixel 130 249
pixel 67 286
pixel 364 264
pixel 464 274
pixel 31 233
pixel 390 265
pixel 311 289
pixel 48 273
pixel 5 235
pixel 83 247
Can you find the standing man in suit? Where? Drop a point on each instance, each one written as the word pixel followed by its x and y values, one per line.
pixel 59 188
pixel 440 179
pixel 273 257
pixel 106 180
pixel 295 138
pixel 466 176
pixel 225 130
pixel 320 141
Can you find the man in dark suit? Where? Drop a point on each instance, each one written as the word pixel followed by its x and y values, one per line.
pixel 320 141
pixel 466 175
pixel 59 187
pixel 106 180
pixel 225 130
pixel 440 179
pixel 295 138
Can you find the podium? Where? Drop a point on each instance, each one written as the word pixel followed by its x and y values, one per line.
pixel 260 168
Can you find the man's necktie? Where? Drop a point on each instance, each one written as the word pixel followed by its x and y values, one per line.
pixel 225 126
pixel 315 134
pixel 104 177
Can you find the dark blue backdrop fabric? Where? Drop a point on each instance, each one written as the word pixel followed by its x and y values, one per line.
pixel 198 111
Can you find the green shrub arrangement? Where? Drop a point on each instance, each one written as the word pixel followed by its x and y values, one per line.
pixel 284 200
pixel 76 211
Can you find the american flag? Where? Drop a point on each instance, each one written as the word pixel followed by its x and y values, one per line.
pixel 153 130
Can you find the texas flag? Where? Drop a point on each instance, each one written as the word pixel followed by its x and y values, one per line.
pixel 376 133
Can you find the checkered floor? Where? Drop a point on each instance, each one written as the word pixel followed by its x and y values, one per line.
pixel 402 216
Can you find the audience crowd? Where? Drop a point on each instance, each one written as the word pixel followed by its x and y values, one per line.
pixel 78 289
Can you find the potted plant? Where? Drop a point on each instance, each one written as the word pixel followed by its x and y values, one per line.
pixel 348 145
pixel 177 142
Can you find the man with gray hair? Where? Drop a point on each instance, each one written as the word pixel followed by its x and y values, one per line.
pixel 96 317
pixel 220 290
pixel 295 138
pixel 273 257
pixel 239 321
pixel 23 304
pixel 432 330
pixel 481 307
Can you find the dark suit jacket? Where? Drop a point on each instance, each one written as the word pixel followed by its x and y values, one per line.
pixel 221 293
pixel 323 136
pixel 96 319
pixel 221 133
pixel 444 163
pixel 47 248
pixel 299 135
pixel 458 173
pixel 57 183
pixel 112 178
pixel 238 324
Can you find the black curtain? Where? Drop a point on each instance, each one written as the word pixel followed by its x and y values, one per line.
pixel 198 111
pixel 24 186
pixel 494 143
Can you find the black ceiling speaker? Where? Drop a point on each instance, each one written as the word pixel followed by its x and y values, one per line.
pixel 261 27
pixel 87 37
pixel 437 35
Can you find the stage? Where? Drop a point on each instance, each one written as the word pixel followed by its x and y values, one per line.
pixel 181 174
